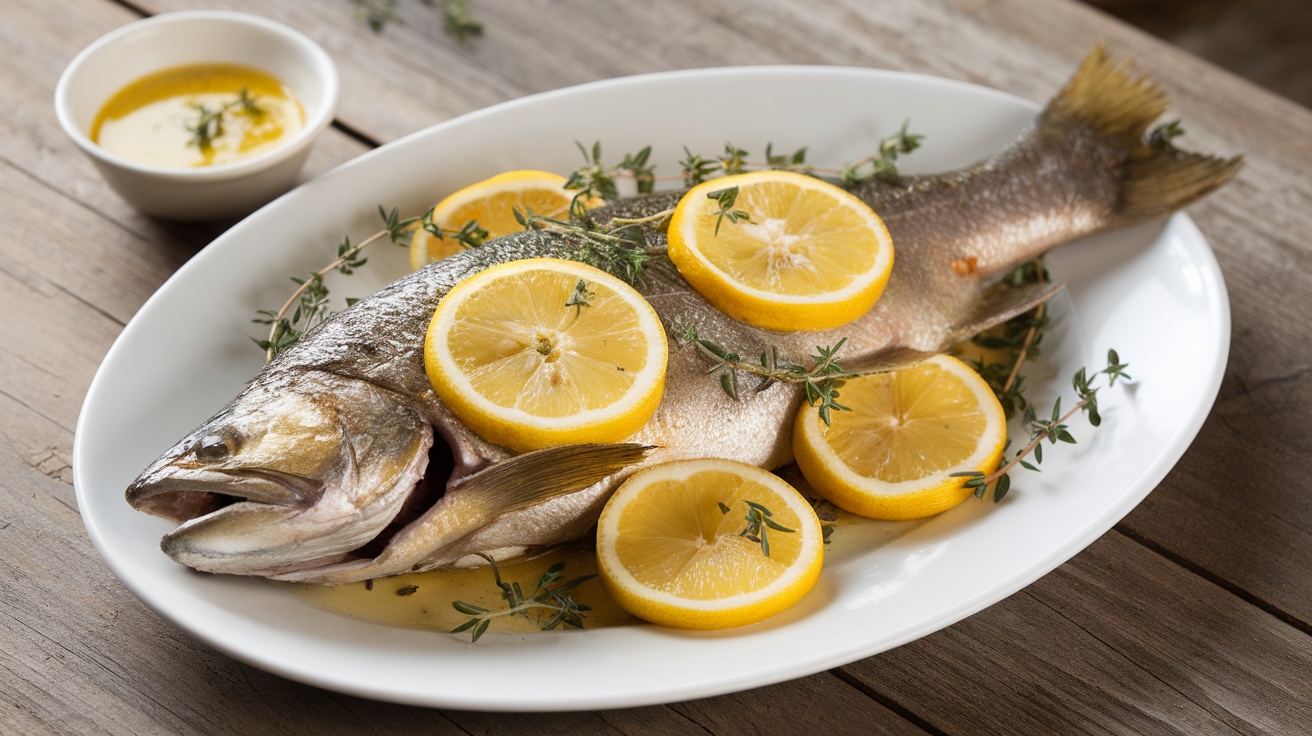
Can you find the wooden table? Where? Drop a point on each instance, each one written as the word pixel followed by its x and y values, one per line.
pixel 1193 615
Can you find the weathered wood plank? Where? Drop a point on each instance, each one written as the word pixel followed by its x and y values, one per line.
pixel 41 44
pixel 1115 641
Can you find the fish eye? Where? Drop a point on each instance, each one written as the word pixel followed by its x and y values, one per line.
pixel 217 446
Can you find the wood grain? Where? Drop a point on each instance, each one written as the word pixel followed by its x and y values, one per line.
pixel 1192 618
pixel 1115 641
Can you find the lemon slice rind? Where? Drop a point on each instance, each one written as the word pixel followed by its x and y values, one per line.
pixel 836 480
pixel 444 212
pixel 663 607
pixel 522 430
pixel 762 307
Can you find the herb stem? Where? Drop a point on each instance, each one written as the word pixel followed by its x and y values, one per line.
pixel 277 322
pixel 1034 442
pixel 1030 335
pixel 658 218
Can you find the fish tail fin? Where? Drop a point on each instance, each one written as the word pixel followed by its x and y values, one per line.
pixel 1119 105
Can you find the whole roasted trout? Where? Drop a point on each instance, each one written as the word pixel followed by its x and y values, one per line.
pixel 317 470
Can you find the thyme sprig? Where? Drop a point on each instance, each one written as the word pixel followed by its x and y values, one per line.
pixel 596 179
pixel 209 123
pixel 820 382
pixel 551 599
pixel 759 523
pixel 1053 429
pixel 1021 338
pixel 470 235
pixel 883 165
pixel 311 296
pixel 457 21
pixel 621 250
pixel 456 18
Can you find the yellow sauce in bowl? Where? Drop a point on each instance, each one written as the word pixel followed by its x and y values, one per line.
pixel 198 115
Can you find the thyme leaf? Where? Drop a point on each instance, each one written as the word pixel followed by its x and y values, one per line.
pixel 726 199
pixel 580 298
pixel 551 601
pixel 696 168
pixel 820 382
pixel 759 524
pixel 1162 137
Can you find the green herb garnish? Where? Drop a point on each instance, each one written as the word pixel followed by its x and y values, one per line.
pixel 551 601
pixel 209 123
pixel 821 381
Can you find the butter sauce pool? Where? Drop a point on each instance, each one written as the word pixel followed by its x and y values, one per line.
pixel 391 601
pixel 154 120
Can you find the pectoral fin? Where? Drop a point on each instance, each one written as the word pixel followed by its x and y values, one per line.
pixel 996 305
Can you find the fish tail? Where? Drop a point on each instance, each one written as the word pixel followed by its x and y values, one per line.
pixel 1119 105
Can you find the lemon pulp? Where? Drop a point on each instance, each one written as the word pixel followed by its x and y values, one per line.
pixel 894 454
pixel 492 203
pixel 671 547
pixel 810 256
pixel 511 357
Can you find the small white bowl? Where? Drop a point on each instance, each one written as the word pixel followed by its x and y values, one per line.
pixel 194 37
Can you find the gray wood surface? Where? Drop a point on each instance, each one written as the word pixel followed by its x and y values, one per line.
pixel 1194 615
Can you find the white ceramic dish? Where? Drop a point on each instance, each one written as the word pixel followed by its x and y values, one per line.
pixel 193 37
pixel 1152 292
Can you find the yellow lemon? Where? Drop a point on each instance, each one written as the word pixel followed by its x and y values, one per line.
pixel 544 352
pixel 892 456
pixel 671 547
pixel 492 203
pixel 811 257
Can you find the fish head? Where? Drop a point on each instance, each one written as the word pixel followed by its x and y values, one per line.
pixel 299 469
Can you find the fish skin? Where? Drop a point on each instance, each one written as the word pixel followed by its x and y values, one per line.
pixel 1077 170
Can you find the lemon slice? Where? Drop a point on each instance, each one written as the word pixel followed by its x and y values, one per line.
pixel 812 257
pixel 517 358
pixel 669 553
pixel 893 454
pixel 492 202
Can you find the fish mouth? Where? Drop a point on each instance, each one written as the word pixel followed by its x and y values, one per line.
pixel 190 493
pixel 215 506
